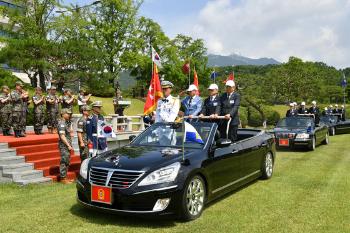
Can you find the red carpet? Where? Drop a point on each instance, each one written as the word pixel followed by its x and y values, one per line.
pixel 42 151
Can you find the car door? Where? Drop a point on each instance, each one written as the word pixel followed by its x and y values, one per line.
pixel 223 168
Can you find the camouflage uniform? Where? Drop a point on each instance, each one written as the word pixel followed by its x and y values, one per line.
pixel 17 110
pixel 64 129
pixel 66 98
pixel 24 114
pixel 81 128
pixel 52 111
pixel 5 109
pixel 39 113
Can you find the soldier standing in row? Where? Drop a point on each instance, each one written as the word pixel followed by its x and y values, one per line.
pixel 39 111
pixel 6 108
pixel 25 111
pixel 68 100
pixel 82 135
pixel 83 99
pixel 52 109
pixel 17 97
pixel 65 143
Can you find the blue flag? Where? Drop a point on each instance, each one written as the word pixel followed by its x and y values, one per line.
pixel 344 82
pixel 214 75
pixel 191 134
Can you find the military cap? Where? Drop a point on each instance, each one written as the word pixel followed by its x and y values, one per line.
pixel 5 87
pixel 38 88
pixel 19 83
pixel 97 104
pixel 65 111
pixel 86 108
pixel 167 84
pixel 53 88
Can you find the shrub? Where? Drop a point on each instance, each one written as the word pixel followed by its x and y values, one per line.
pixel 255 119
pixel 243 116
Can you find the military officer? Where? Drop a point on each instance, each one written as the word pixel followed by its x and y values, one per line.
pixel 315 110
pixel 39 110
pixel 52 102
pixel 17 97
pixel 99 143
pixel 211 106
pixel 26 102
pixel 65 143
pixel 6 109
pixel 167 107
pixel 82 135
pixel 68 99
pixel 192 103
pixel 302 109
pixel 230 102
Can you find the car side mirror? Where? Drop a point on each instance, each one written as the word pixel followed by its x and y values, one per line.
pixel 131 138
pixel 223 143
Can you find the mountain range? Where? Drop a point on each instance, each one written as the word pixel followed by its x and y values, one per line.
pixel 235 59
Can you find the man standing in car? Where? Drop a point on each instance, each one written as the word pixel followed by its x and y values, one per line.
pixel 192 104
pixel 316 111
pixel 168 107
pixel 230 102
pixel 211 106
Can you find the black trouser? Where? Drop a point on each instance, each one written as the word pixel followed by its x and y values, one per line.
pixel 232 132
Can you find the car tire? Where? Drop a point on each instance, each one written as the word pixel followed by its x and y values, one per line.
pixel 312 146
pixel 326 140
pixel 267 166
pixel 193 198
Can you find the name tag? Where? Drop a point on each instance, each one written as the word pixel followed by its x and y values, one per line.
pixel 232 101
pixel 215 104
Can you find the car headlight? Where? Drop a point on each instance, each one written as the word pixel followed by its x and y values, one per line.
pixel 162 175
pixel 303 136
pixel 84 168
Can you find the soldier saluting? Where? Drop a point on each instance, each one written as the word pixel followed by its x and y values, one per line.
pixel 39 110
pixel 82 134
pixel 65 143
pixel 52 101
pixel 6 108
pixel 17 97
pixel 68 100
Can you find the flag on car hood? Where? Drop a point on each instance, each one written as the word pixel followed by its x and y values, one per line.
pixel 191 134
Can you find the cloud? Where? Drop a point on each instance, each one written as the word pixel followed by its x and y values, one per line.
pixel 311 29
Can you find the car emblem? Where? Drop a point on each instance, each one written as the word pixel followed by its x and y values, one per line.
pixel 114 159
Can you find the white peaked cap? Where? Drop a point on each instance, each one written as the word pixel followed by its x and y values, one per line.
pixel 302 103
pixel 230 83
pixel 313 102
pixel 192 87
pixel 213 86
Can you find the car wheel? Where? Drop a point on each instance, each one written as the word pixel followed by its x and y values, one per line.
pixel 326 140
pixel 312 146
pixel 267 166
pixel 193 198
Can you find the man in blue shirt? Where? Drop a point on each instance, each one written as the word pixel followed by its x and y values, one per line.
pixel 99 143
pixel 192 104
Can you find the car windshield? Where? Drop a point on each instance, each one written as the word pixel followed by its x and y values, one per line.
pixel 172 135
pixel 331 119
pixel 295 122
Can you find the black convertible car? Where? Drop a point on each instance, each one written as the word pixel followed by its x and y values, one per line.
pixel 335 124
pixel 159 174
pixel 300 131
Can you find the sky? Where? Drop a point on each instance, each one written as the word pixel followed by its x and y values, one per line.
pixel 315 30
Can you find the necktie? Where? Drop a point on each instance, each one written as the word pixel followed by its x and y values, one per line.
pixel 190 102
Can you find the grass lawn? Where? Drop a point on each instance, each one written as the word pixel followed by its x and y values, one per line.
pixel 309 192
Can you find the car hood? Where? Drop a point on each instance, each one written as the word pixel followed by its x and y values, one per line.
pixel 141 158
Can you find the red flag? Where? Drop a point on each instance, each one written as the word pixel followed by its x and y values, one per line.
pixel 230 77
pixel 154 93
pixel 186 68
pixel 195 80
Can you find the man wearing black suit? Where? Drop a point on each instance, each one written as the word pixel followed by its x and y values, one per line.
pixel 291 111
pixel 302 109
pixel 336 110
pixel 316 111
pixel 343 113
pixel 230 102
pixel 211 106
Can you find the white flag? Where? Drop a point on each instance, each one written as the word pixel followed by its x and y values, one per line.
pixel 104 130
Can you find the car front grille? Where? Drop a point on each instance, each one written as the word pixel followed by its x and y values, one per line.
pixel 115 178
pixel 286 135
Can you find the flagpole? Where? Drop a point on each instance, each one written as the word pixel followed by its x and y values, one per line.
pixel 189 73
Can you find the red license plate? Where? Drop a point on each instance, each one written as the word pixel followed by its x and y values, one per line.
pixel 101 194
pixel 284 142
